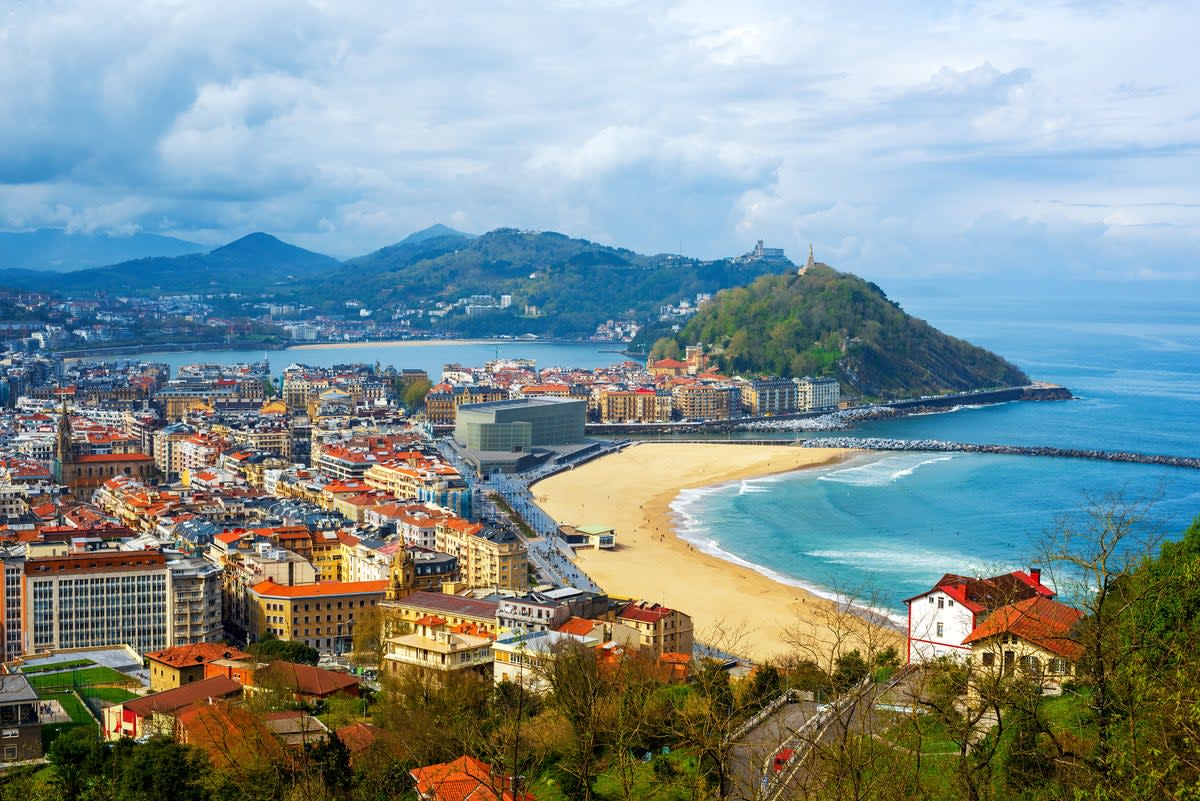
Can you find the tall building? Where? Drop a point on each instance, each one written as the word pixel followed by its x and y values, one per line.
pixel 818 394
pixel 196 600
pixel 768 396
pixel 94 599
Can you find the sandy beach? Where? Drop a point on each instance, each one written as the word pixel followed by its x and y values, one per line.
pixel 391 343
pixel 731 605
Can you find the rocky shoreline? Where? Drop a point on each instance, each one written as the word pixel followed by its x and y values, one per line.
pixel 941 446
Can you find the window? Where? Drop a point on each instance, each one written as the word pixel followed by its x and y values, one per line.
pixel 1060 667
pixel 940 629
pixel 988 659
pixel 1031 663
pixel 941 602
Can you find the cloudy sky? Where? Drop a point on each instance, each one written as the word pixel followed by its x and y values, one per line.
pixel 928 138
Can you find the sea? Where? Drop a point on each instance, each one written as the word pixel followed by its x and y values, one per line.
pixel 885 527
pixel 882 528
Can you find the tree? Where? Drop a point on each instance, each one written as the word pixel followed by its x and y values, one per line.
pixel 163 770
pixel 368 637
pixel 1092 558
pixel 332 761
pixel 270 648
pixel 78 758
pixel 414 394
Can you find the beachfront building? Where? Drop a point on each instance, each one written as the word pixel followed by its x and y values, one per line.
pixel 770 396
pixel 643 405
pixel 1036 636
pixel 660 629
pixel 941 619
pixel 706 401
pixel 818 394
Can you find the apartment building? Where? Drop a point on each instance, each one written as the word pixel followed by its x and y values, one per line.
pixel 94 599
pixel 320 615
pixel 660 629
pixel 486 557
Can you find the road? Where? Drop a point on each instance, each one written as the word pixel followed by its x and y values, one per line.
pixel 750 759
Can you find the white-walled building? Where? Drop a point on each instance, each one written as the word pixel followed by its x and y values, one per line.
pixel 940 619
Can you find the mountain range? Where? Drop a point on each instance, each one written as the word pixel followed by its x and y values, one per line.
pixel 57 250
pixel 559 286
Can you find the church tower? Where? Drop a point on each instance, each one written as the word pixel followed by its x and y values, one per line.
pixel 403 576
pixel 64 455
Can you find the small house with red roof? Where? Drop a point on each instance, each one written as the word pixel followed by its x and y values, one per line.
pixel 184 664
pixel 466 779
pixel 941 619
pixel 1036 635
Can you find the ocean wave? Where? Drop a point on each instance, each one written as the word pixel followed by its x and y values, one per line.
pixel 883 472
pixel 902 562
pixel 700 538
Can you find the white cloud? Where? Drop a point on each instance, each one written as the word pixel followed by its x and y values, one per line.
pixel 898 138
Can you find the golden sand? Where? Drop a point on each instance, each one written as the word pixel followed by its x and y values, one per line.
pixel 731 606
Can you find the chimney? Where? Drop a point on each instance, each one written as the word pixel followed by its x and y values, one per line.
pixel 1036 574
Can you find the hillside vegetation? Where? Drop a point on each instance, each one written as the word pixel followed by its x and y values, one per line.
pixel 835 324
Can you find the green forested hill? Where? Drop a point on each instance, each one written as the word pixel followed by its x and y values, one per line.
pixel 575 284
pixel 829 323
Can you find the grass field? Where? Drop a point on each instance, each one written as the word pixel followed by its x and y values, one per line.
pixel 73 707
pixel 83 677
pixel 115 695
pixel 674 785
pixel 70 663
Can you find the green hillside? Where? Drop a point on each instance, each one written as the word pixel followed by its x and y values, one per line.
pixel 575 284
pixel 835 324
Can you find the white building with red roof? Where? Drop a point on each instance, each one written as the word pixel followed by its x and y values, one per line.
pixel 941 619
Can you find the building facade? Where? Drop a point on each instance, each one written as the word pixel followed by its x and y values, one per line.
pixel 95 599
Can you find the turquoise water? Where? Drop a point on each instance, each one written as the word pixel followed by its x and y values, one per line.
pixel 890 525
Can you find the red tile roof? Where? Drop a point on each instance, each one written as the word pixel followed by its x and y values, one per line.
pixel 324 588
pixel 981 594
pixel 1041 621
pixel 196 654
pixel 169 701
pixel 308 679
pixel 464 779
pixel 643 612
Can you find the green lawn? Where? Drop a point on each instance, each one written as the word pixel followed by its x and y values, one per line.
pixel 79 678
pixel 70 663
pixel 923 733
pixel 73 707
pixel 646 783
pixel 115 695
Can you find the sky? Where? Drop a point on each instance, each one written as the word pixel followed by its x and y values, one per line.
pixel 928 139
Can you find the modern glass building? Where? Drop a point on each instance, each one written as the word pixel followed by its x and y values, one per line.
pixel 521 424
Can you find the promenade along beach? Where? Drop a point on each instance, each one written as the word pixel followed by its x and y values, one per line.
pixel 632 492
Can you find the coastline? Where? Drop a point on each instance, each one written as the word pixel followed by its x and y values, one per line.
pixel 735 606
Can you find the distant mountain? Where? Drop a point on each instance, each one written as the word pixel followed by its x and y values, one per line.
pixel 433 232
pixel 55 249
pixel 250 264
pixel 829 323
pixel 574 284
